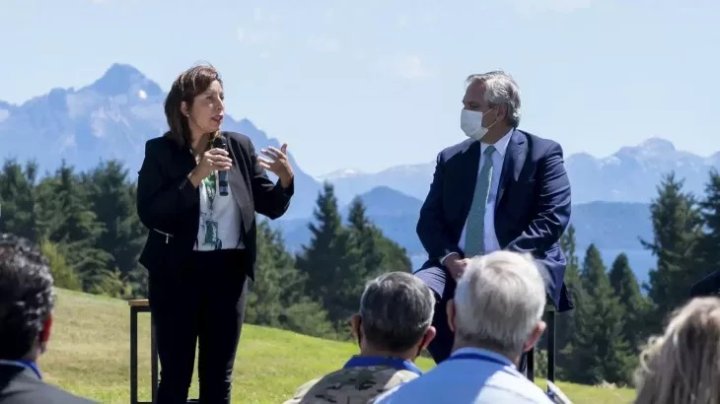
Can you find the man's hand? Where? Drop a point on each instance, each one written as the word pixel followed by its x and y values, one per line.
pixel 455 265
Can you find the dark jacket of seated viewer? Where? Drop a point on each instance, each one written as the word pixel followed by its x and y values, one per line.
pixel 26 301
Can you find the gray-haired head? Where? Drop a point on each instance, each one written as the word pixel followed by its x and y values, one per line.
pixel 396 310
pixel 501 89
pixel 499 301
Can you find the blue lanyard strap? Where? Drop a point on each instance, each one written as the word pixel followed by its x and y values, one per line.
pixel 480 357
pixel 395 363
pixel 23 364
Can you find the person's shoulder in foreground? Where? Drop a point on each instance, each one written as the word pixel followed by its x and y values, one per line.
pixel 439 386
pixel 20 386
pixel 26 304
pixel 359 384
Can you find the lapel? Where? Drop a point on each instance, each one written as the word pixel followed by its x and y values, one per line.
pixel 182 160
pixel 469 164
pixel 513 163
pixel 238 183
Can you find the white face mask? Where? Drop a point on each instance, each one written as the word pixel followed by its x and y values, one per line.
pixel 471 124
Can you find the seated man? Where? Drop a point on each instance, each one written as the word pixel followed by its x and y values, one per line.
pixel 496 315
pixel 26 301
pixel 501 189
pixel 392 328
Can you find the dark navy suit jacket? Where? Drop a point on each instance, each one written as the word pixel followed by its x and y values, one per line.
pixel 532 208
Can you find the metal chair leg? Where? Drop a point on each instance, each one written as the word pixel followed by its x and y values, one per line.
pixel 133 356
pixel 551 346
pixel 530 369
pixel 153 360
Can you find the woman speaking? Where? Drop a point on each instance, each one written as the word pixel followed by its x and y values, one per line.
pixel 198 191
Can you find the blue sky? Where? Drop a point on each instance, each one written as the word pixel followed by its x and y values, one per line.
pixel 372 84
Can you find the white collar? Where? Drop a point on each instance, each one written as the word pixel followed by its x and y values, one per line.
pixel 501 145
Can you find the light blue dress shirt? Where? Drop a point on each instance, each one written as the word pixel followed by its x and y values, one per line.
pixel 470 375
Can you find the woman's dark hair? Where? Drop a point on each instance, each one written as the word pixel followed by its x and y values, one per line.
pixel 187 86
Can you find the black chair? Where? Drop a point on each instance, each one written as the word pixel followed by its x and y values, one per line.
pixel 137 307
pixel 550 320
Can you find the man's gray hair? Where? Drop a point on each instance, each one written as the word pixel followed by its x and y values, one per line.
pixel 499 300
pixel 501 89
pixel 396 309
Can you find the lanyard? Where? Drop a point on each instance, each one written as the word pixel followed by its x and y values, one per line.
pixel 479 357
pixel 395 363
pixel 23 364
pixel 486 358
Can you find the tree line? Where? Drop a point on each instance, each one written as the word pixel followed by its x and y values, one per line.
pixel 86 224
pixel 614 315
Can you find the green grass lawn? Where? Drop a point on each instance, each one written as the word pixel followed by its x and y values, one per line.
pixel 89 356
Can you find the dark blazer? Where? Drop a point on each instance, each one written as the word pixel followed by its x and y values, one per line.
pixel 169 205
pixel 532 208
pixel 19 385
pixel 707 286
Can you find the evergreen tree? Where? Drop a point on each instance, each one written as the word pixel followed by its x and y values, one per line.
pixel 17 199
pixel 137 280
pixel 395 257
pixel 109 283
pixel 710 211
pixel 277 297
pixel 567 322
pixel 112 199
pixel 138 276
pixel 63 275
pixel 366 239
pixel 65 218
pixel 331 263
pixel 378 254
pixel 634 305
pixel 677 228
pixel 601 353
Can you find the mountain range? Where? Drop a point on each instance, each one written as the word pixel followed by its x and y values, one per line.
pixel 629 175
pixel 113 117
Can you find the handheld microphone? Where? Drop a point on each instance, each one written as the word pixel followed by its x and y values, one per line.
pixel 220 143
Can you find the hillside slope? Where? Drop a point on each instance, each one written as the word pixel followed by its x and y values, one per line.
pixel 89 355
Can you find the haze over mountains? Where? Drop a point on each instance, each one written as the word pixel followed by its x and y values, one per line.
pixel 113 117
pixel 629 175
